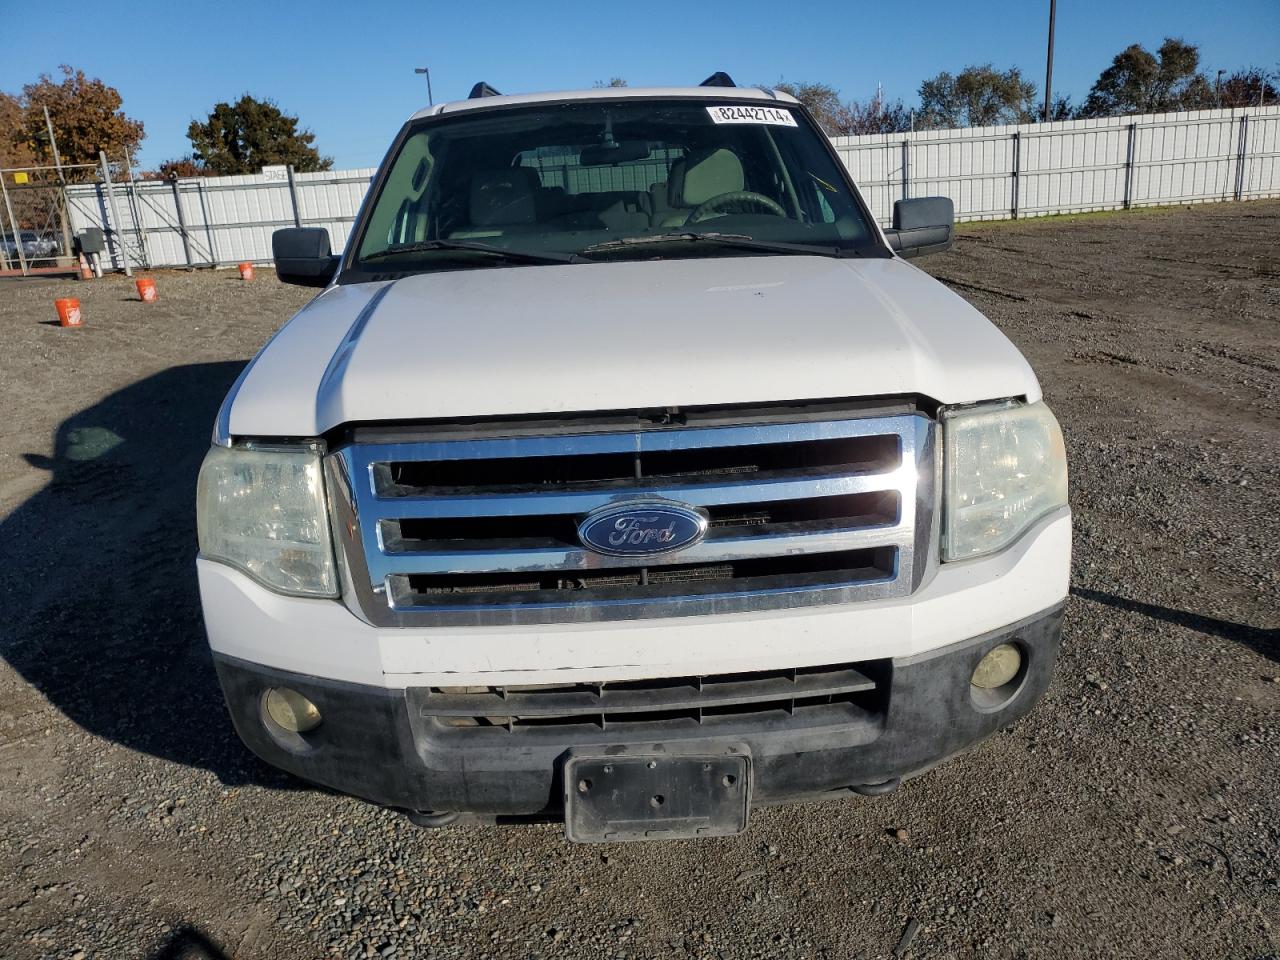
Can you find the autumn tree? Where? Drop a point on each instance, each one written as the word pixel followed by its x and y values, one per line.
pixel 86 118
pixel 877 115
pixel 977 96
pixel 1139 81
pixel 1251 87
pixel 847 118
pixel 246 136
pixel 15 151
pixel 823 101
pixel 177 168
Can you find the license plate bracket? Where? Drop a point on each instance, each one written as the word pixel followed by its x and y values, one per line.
pixel 651 796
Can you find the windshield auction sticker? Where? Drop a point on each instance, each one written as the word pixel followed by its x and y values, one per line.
pixel 744 113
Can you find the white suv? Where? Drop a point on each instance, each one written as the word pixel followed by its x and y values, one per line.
pixel 623 472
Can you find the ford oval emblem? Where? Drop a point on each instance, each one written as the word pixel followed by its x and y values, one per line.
pixel 642 528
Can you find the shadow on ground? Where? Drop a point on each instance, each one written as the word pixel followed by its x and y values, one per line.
pixel 188 943
pixel 99 610
pixel 1261 640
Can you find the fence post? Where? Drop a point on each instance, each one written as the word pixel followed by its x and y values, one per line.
pixel 1128 165
pixel 182 221
pixel 906 169
pixel 1017 170
pixel 208 225
pixel 135 212
pixel 1241 179
pixel 293 195
pixel 115 215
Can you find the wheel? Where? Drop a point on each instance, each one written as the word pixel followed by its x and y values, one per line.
pixel 733 202
pixel 429 820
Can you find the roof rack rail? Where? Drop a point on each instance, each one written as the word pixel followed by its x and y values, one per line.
pixel 718 79
pixel 482 89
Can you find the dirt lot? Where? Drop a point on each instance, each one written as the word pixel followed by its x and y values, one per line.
pixel 1135 813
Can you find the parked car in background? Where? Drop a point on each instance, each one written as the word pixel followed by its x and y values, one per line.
pixel 625 473
pixel 34 246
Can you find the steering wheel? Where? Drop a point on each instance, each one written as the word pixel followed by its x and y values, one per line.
pixel 735 202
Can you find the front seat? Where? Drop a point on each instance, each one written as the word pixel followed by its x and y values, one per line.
pixel 502 200
pixel 696 179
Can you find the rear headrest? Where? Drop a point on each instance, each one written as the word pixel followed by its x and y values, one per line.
pixel 504 197
pixel 705 174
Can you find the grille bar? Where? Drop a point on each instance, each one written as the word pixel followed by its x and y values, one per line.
pixel 684 694
pixel 580 444
pixel 407 518
pixel 712 550
pixel 527 502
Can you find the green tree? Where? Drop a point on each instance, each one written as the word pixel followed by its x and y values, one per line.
pixel 1060 109
pixel 1139 81
pixel 246 136
pixel 978 96
pixel 86 118
pixel 613 82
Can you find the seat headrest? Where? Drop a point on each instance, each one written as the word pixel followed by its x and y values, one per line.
pixel 705 174
pixel 504 197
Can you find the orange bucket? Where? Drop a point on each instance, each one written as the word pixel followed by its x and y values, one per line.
pixel 246 271
pixel 146 289
pixel 68 312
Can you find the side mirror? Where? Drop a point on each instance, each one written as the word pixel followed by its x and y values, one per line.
pixel 302 256
pixel 922 225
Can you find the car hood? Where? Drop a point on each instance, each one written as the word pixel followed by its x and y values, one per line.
pixel 618 336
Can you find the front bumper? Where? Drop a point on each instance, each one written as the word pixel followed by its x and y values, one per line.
pixel 382 745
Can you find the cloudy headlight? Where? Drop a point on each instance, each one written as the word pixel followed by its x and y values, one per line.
pixel 263 511
pixel 1005 467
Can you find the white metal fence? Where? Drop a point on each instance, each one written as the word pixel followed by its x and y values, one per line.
pixel 1034 169
pixel 991 173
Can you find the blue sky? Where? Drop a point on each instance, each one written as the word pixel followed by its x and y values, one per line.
pixel 347 69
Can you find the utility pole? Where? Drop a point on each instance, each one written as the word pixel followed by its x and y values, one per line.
pixel 1048 70
pixel 427 70
pixel 1217 88
pixel 62 204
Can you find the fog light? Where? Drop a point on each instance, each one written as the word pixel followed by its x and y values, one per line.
pixel 291 711
pixel 998 667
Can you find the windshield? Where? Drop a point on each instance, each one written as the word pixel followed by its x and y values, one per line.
pixel 589 180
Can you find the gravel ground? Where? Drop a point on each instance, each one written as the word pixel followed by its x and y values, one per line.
pixel 1135 813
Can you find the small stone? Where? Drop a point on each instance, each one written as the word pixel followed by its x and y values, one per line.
pixel 902 834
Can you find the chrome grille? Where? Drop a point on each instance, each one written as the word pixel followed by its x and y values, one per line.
pixel 438 530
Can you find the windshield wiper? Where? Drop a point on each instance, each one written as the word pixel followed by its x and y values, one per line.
pixel 522 256
pixel 739 240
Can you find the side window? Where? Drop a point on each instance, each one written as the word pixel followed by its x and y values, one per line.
pixel 405 221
